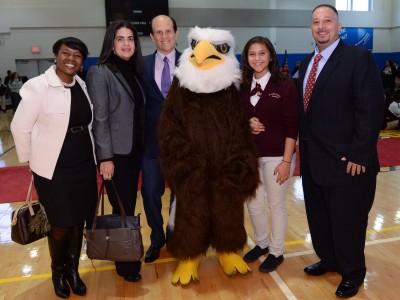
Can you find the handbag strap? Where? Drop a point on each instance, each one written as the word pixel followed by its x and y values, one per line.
pixel 121 207
pixel 29 197
pixel 100 199
pixel 28 202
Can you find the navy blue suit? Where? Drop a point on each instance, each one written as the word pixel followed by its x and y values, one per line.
pixel 153 185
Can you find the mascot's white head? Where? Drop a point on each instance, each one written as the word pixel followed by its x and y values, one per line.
pixel 209 64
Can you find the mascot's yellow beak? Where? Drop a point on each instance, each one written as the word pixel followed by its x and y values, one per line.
pixel 205 56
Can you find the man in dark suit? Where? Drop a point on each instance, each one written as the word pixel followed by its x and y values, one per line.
pixel 339 129
pixel 164 33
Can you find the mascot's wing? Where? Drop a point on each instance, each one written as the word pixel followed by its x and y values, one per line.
pixel 180 162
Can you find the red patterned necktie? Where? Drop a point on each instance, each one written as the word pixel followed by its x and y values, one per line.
pixel 257 90
pixel 311 80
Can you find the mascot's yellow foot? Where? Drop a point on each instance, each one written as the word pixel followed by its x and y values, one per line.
pixel 186 270
pixel 232 262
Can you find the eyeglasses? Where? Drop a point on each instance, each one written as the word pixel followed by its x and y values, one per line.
pixel 121 39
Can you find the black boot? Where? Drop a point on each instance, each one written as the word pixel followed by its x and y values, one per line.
pixel 58 242
pixel 76 283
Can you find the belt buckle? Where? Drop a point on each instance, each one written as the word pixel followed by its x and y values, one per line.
pixel 76 129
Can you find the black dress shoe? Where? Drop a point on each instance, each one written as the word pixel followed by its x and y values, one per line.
pixel 133 278
pixel 346 289
pixel 254 254
pixel 316 269
pixel 152 254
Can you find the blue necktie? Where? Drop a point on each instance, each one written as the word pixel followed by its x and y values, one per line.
pixel 165 78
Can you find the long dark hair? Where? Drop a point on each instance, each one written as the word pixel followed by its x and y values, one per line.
pixel 273 65
pixel 108 44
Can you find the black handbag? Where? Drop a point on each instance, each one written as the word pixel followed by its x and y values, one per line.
pixel 114 237
pixel 29 222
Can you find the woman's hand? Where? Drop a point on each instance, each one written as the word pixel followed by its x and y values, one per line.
pixel 107 169
pixel 283 171
pixel 256 126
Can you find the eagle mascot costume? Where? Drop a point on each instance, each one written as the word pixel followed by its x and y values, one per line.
pixel 207 155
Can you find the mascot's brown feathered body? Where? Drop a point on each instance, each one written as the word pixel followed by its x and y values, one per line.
pixel 207 155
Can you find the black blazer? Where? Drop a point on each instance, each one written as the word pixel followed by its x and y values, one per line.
pixel 343 117
pixel 154 105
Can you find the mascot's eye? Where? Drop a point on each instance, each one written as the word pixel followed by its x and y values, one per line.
pixel 193 44
pixel 222 48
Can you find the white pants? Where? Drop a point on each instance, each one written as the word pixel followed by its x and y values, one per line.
pixel 275 194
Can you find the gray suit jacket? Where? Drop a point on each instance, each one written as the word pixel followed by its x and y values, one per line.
pixel 113 106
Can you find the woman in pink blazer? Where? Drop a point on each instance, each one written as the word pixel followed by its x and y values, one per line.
pixel 52 131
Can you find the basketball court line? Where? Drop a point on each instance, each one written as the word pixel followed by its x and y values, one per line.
pixel 275 276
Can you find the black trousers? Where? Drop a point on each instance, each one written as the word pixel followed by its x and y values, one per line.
pixel 126 177
pixel 338 219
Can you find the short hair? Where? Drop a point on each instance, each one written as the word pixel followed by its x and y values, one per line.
pixel 171 18
pixel 273 65
pixel 328 6
pixel 108 45
pixel 73 43
pixel 8 71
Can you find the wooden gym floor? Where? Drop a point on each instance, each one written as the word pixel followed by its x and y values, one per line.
pixel 25 270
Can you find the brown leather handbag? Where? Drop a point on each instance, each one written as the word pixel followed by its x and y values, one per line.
pixel 29 223
pixel 114 237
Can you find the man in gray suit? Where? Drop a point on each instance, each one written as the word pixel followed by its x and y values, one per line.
pixel 340 118
pixel 164 33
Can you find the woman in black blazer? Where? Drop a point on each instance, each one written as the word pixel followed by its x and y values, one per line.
pixel 118 102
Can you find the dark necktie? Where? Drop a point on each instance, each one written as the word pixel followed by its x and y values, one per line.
pixel 256 91
pixel 311 80
pixel 165 78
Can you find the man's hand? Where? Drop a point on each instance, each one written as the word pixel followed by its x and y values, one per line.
pixel 354 168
